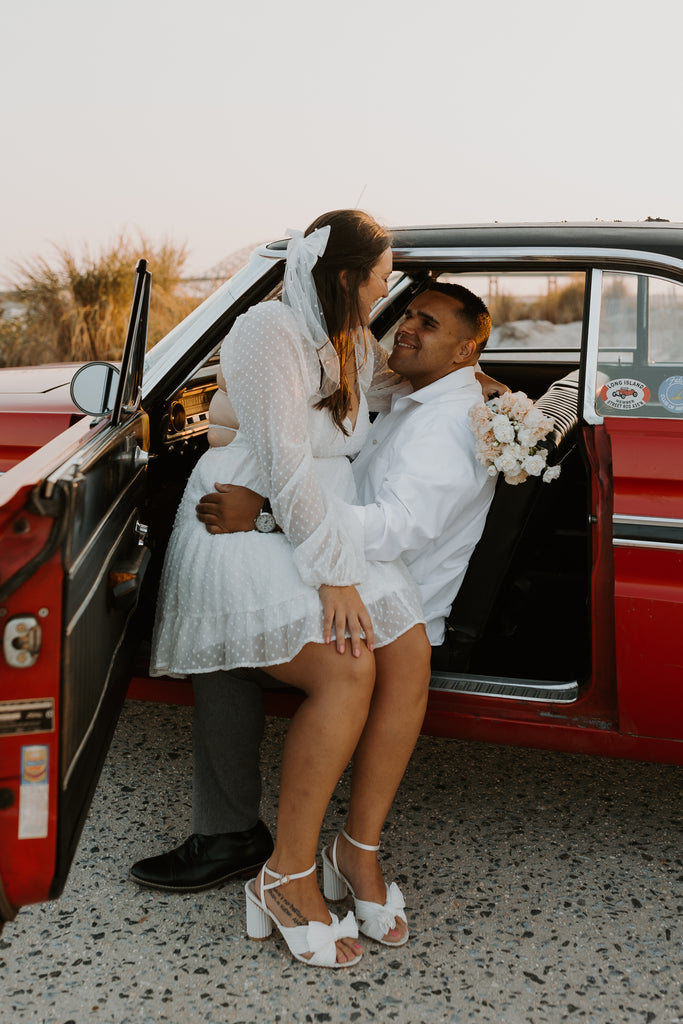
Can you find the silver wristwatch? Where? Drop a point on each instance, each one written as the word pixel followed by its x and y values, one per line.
pixel 265 520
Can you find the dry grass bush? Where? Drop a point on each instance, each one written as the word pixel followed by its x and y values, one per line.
pixel 77 309
pixel 562 306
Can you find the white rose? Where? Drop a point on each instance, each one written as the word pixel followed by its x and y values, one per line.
pixel 534 464
pixel 503 430
pixel 506 463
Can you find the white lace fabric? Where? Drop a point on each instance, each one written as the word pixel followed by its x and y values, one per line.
pixel 271 387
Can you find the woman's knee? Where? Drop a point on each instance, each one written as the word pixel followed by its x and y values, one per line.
pixel 406 662
pixel 320 670
pixel 352 679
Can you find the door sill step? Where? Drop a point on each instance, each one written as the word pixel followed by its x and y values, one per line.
pixel 502 686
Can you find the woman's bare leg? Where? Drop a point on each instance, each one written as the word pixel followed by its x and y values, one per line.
pixel 319 744
pixel 396 714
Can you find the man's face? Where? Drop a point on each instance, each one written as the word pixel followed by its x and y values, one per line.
pixel 431 340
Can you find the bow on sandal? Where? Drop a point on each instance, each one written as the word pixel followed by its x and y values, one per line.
pixel 374 919
pixel 315 937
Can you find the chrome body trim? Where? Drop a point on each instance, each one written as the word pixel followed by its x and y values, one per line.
pixel 537 690
pixel 93 719
pixel 647 521
pixel 93 448
pixel 542 254
pixel 647 532
pixel 126 528
pixel 592 344
pixel 654 544
pixel 75 566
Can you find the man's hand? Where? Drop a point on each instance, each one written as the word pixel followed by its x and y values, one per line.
pixel 491 388
pixel 229 509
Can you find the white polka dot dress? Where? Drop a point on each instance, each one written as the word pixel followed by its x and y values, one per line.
pixel 251 599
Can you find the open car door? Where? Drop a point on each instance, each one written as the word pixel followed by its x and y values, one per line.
pixel 72 559
pixel 635 345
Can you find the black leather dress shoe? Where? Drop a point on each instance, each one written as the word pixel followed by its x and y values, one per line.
pixel 204 861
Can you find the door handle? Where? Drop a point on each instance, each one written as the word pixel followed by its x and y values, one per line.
pixel 142 530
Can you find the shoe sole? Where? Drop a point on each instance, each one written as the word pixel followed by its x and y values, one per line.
pixel 245 872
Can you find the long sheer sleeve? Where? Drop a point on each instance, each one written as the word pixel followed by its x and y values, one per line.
pixel 270 384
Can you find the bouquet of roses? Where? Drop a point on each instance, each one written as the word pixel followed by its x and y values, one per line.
pixel 508 431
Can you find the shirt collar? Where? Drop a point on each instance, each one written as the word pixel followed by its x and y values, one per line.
pixel 443 386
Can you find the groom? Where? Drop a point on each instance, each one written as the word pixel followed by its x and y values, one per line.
pixel 424 499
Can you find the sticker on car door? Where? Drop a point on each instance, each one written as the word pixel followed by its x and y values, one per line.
pixel 671 394
pixel 624 393
pixel 34 792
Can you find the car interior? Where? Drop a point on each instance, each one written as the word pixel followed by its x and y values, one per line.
pixel 520 626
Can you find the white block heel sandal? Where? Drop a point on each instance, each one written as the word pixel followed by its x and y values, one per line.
pixel 314 938
pixel 374 919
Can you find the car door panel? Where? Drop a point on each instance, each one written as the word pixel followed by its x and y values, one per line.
pixel 104 498
pixel 66 601
pixel 648 539
pixel 638 351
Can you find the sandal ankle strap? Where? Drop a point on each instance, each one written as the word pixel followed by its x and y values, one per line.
pixel 281 879
pixel 361 846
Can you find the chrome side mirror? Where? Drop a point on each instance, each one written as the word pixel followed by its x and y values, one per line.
pixel 93 388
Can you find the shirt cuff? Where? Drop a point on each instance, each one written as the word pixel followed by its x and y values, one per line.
pixel 371 526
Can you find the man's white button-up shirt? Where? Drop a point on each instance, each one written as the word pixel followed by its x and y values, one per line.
pixel 424 497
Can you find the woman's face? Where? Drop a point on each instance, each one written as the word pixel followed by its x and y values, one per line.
pixel 375 287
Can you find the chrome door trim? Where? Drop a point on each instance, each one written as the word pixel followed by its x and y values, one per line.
pixel 652 545
pixel 92 449
pixel 592 344
pixel 95 714
pixel 647 521
pixel 547 254
pixel 74 565
pixel 647 532
pixel 127 526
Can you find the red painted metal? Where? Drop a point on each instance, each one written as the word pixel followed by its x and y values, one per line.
pixel 27 865
pixel 648 581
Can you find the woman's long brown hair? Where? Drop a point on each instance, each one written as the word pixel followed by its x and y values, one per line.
pixel 355 244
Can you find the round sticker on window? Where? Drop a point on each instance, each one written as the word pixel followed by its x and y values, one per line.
pixel 625 393
pixel 671 394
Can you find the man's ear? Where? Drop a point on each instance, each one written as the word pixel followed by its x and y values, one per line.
pixel 344 279
pixel 466 351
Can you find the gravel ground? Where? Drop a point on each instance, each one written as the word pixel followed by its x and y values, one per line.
pixel 541 888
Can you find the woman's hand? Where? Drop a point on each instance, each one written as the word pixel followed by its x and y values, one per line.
pixel 343 609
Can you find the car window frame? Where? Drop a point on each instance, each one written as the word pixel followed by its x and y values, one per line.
pixel 592 260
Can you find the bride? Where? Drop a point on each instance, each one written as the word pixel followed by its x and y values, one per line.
pixel 302 602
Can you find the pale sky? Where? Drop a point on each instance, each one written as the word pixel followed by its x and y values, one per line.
pixel 219 124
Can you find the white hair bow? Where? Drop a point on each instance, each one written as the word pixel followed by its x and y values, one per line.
pixel 299 293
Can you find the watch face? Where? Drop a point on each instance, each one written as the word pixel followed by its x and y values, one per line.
pixel 265 522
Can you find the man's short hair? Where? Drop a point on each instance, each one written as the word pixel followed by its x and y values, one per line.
pixel 474 310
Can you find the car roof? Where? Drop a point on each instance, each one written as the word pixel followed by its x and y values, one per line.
pixel 647 236
pixel 644 236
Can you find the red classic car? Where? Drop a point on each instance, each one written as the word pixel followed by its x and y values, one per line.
pixel 566 632
pixel 35 405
